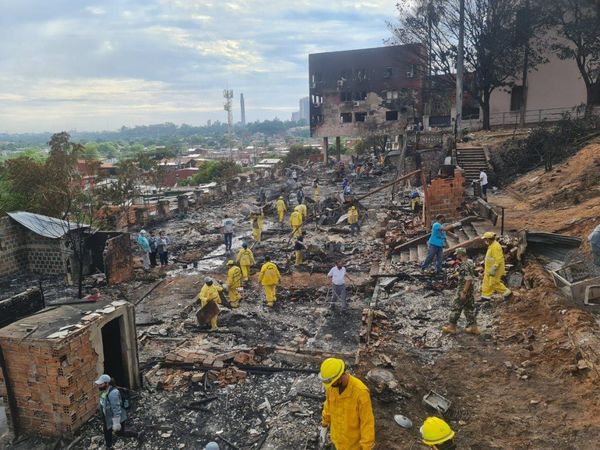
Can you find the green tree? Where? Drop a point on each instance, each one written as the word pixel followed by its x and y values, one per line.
pixel 211 171
pixel 299 154
pixel 90 151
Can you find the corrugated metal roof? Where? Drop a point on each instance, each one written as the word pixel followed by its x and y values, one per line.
pixel 45 226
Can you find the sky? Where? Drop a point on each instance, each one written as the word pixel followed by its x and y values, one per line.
pixel 97 65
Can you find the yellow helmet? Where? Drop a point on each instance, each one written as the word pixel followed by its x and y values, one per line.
pixel 331 371
pixel 230 262
pixel 489 235
pixel 436 431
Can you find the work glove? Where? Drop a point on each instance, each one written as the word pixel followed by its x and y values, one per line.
pixel 116 424
pixel 323 435
pixel 493 270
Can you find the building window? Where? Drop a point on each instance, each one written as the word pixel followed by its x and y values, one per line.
pixel 403 110
pixel 411 71
pixel 317 119
pixel 391 115
pixel 387 73
pixel 516 98
pixel 360 117
pixel 315 78
pixel 391 95
pixel 346 96
pixel 346 117
pixel 361 74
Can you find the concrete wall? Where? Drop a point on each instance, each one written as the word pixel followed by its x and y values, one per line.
pixel 20 305
pixel 13 255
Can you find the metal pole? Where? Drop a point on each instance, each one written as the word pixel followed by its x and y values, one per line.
pixel 460 63
pixel 502 223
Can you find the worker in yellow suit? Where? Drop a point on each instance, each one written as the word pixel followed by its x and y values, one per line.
pixel 210 293
pixel 234 282
pixel 296 223
pixel 493 269
pixel 246 259
pixel 269 277
pixel 302 209
pixel 353 220
pixel 258 222
pixel 437 434
pixel 316 191
pixel 281 209
pixel 299 248
pixel 347 412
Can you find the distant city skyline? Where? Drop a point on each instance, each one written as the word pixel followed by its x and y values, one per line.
pixel 93 66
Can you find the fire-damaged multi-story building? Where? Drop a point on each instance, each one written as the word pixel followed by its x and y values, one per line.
pixel 357 92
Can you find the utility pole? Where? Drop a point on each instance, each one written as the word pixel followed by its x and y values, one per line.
pixel 228 95
pixel 524 25
pixel 460 68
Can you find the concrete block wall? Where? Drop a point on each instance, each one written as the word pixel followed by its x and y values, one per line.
pixel 52 382
pixel 13 254
pixel 45 256
pixel 445 196
pixel 20 305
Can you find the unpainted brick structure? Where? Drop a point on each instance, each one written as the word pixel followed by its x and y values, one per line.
pixel 118 259
pixel 50 381
pixel 445 196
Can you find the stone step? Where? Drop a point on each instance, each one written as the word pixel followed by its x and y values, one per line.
pixel 451 240
pixel 404 256
pixel 470 232
pixel 422 252
pixel 414 255
pixel 462 236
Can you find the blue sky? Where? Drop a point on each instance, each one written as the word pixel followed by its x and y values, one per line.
pixel 93 65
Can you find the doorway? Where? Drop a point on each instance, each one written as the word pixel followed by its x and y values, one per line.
pixel 113 352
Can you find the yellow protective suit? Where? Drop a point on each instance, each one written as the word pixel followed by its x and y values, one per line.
pixel 269 277
pixel 281 209
pixel 349 416
pixel 494 258
pixel 317 194
pixel 210 294
pixel 352 216
pixel 414 202
pixel 234 281
pixel 246 259
pixel 296 223
pixel 302 209
pixel 257 227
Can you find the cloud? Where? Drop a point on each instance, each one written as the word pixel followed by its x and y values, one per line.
pixel 92 65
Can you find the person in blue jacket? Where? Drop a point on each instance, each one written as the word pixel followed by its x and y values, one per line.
pixel 436 243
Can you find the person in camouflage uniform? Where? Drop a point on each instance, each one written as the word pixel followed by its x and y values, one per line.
pixel 465 299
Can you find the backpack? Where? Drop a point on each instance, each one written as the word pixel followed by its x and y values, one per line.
pixel 125 396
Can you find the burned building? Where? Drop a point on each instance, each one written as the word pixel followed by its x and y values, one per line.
pixel 360 92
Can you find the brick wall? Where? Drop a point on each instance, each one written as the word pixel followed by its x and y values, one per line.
pixel 118 259
pixel 45 256
pixel 445 196
pixel 20 305
pixel 13 255
pixel 52 382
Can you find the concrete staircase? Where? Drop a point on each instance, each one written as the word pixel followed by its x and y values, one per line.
pixel 471 159
pixel 418 252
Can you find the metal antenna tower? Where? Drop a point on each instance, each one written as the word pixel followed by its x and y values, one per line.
pixel 228 95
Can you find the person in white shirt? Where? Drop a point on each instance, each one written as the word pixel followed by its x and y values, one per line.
pixel 337 275
pixel 228 225
pixel 483 180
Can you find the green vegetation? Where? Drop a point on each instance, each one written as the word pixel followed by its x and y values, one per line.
pixel 211 171
pixel 299 154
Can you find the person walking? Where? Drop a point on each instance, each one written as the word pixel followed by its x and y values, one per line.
pixel 234 282
pixel 281 209
pixel 465 296
pixel 483 181
pixel 112 411
pixel 296 223
pixel 210 293
pixel 228 227
pixel 300 195
pixel 245 258
pixel 258 222
pixel 347 415
pixel 493 269
pixel 299 248
pixel 163 249
pixel 317 192
pixel 153 241
pixel 303 210
pixel 142 241
pixel 436 243
pixel 594 239
pixel 269 277
pixel 337 276
pixel 437 434
pixel 353 220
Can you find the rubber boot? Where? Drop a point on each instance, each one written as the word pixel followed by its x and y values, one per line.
pixel 472 329
pixel 449 329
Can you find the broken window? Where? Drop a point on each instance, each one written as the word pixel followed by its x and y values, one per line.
pixel 346 117
pixel 361 74
pixel 387 73
pixel 360 117
pixel 360 96
pixel 317 119
pixel 315 78
pixel 391 115
pixel 412 69
pixel 516 98
pixel 346 96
